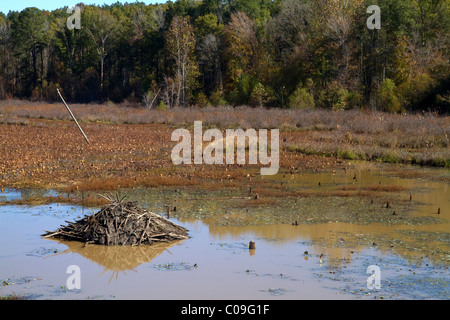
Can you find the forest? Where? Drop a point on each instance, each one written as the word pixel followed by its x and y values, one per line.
pixel 262 53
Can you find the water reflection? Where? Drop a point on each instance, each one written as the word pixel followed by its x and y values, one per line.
pixel 424 235
pixel 9 195
pixel 335 241
pixel 117 258
pixel 220 247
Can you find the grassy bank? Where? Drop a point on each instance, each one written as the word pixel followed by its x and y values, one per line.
pixel 417 139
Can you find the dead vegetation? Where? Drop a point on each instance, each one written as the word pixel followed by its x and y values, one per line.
pixel 355 135
pixel 53 155
pixel 121 223
pixel 88 200
pixel 132 147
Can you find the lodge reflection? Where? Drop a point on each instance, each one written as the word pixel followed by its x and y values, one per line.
pixel 117 258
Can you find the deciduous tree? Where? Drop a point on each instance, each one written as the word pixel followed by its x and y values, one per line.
pixel 180 45
pixel 102 27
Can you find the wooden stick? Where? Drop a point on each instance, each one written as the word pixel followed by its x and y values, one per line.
pixel 156 96
pixel 73 117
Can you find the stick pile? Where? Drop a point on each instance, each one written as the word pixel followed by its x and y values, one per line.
pixel 121 223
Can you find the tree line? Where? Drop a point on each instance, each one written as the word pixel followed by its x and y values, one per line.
pixel 272 53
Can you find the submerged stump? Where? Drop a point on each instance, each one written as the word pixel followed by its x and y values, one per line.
pixel 121 223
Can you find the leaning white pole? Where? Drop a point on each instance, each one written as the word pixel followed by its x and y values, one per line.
pixel 73 117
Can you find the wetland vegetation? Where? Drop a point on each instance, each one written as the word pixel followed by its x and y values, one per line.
pixel 345 213
pixel 364 147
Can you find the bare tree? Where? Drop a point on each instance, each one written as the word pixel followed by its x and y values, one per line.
pixel 180 42
pixel 289 28
pixel 424 54
pixel 159 17
pixel 341 15
pixel 102 27
pixel 140 22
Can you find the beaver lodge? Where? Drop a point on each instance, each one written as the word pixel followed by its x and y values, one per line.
pixel 121 223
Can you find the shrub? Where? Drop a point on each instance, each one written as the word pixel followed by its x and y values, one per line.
pixel 334 97
pixel 162 106
pixel 387 97
pixel 259 96
pixel 245 87
pixel 415 90
pixel 391 157
pixel 217 99
pixel 347 154
pixel 233 97
pixel 201 100
pixel 301 99
pixel 354 100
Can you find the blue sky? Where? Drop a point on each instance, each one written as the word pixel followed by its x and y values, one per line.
pixel 19 5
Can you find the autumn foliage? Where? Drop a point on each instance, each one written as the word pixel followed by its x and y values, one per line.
pixel 244 52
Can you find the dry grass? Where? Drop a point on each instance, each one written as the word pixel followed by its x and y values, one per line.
pixel 40 147
pixel 87 201
pixel 351 122
pixel 112 184
pixel 421 138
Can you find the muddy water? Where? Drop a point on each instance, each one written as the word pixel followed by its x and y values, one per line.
pixel 326 256
pixel 206 266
